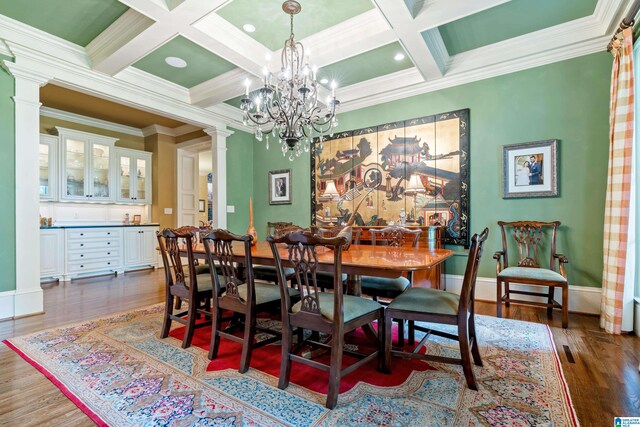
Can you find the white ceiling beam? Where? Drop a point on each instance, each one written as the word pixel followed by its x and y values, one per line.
pixel 402 22
pixel 440 12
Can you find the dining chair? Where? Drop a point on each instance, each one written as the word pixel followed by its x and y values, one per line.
pixel 242 296
pixel 325 278
pixel 384 287
pixel 268 273
pixel 276 225
pixel 438 306
pixel 332 313
pixel 530 238
pixel 185 285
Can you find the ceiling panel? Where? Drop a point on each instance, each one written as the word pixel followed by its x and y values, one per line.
pixel 510 19
pixel 368 65
pixel 272 24
pixel 78 21
pixel 202 65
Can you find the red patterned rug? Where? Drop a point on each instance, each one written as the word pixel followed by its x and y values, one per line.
pixel 120 373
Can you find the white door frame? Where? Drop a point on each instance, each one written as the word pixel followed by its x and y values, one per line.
pixel 187 187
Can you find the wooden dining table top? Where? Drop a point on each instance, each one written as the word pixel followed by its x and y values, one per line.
pixel 384 261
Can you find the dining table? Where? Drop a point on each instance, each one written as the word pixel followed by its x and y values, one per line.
pixel 357 261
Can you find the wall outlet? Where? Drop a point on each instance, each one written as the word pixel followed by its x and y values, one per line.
pixel 231 209
pixel 168 211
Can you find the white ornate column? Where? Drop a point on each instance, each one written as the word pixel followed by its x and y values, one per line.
pixel 219 167
pixel 28 295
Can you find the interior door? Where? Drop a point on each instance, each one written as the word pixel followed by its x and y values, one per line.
pixel 187 188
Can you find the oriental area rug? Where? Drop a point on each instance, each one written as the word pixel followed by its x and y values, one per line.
pixel 117 371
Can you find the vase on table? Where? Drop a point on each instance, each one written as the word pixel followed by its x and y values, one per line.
pixel 251 231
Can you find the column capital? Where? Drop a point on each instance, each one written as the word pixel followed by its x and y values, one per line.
pixel 218 131
pixel 20 72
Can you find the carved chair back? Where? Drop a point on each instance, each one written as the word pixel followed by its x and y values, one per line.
pixel 225 272
pixel 395 236
pixel 273 227
pixel 171 241
pixel 530 237
pixel 302 255
pixel 334 231
pixel 467 294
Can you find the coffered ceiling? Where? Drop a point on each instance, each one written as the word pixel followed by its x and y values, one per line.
pixel 376 50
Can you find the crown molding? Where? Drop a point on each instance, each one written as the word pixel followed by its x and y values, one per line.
pixel 152 83
pixel 173 132
pixel 4 49
pixel 89 121
pixel 219 89
pixel 235 117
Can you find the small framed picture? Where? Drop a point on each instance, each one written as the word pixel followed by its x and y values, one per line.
pixel 137 219
pixel 280 187
pixel 201 205
pixel 530 169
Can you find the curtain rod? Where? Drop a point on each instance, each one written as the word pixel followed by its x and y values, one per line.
pixel 627 21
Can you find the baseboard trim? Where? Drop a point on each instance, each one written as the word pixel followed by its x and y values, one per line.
pixel 29 301
pixel 7 305
pixel 582 299
pixel 636 324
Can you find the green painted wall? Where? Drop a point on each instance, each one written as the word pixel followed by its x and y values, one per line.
pixel 240 163
pixel 7 177
pixel 568 100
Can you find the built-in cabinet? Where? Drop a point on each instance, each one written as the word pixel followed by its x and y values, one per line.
pixel 51 254
pixel 85 167
pixel 67 253
pixel 134 179
pixel 48 160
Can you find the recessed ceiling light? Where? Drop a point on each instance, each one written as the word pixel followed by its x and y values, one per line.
pixel 399 56
pixel 249 28
pixel 324 81
pixel 176 62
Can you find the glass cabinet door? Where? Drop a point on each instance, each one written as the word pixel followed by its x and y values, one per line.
pixel 100 170
pixel 125 178
pixel 45 185
pixel 141 189
pixel 75 167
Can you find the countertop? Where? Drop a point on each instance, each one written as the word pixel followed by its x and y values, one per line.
pixel 99 226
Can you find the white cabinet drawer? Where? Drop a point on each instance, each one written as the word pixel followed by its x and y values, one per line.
pixel 97 244
pixel 92 265
pixel 94 233
pixel 94 255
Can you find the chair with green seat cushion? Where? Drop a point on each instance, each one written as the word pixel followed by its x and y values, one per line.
pixel 183 285
pixel 325 279
pixel 530 238
pixel 436 306
pixel 331 313
pixel 243 296
pixel 384 287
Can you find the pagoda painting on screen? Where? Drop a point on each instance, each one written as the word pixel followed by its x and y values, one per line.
pixel 415 171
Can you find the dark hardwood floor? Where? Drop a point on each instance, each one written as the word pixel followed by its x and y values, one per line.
pixel 601 370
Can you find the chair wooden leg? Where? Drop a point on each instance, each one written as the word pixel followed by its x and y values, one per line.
pixel 565 306
pixel 465 355
pixel 475 351
pixel 247 345
pixel 191 325
pixel 498 298
pixel 550 301
pixel 507 301
pixel 412 333
pixel 400 332
pixel 216 325
pixel 166 324
pixel 388 321
pixel 381 342
pixel 285 359
pixel 337 345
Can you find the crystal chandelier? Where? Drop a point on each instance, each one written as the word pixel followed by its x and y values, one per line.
pixel 287 104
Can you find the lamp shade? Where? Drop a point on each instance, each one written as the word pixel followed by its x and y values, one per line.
pixel 414 186
pixel 331 192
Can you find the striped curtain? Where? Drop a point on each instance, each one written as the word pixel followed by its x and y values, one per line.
pixel 616 219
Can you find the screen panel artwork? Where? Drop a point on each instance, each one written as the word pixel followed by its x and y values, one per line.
pixel 415 169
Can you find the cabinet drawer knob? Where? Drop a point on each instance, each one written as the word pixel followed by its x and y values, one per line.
pixel 82 234
pixel 81 244
pixel 108 253
pixel 108 243
pixel 108 263
pixel 81 255
pixel 82 266
pixel 109 234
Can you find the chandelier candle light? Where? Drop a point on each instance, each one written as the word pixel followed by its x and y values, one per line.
pixel 288 105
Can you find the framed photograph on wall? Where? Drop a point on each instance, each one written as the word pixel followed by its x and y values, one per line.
pixel 201 206
pixel 280 187
pixel 530 169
